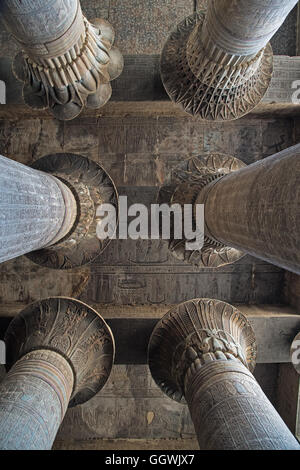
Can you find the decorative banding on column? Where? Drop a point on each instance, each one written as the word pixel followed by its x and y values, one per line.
pixel 183 186
pixel 217 64
pixel 66 62
pixel 244 27
pixel 71 329
pixel 91 186
pixel 254 209
pixel 35 24
pixel 194 333
pixel 34 397
pixel 202 96
pixel 203 351
pixel 231 412
pixel 71 212
pixel 59 353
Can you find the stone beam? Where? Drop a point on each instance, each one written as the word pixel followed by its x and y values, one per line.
pixel 217 64
pixel 274 326
pixel 139 91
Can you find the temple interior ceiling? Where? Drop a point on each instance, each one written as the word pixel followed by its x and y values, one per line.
pixel 140 280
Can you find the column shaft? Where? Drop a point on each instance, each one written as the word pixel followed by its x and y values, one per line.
pixel 37 209
pixel 231 412
pixel 39 26
pixel 257 209
pixel 59 354
pixel 244 27
pixel 34 397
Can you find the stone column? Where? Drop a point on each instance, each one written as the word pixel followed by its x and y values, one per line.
pixel 37 209
pixel 203 351
pixel 250 209
pixel 218 63
pixel 256 209
pixel 66 62
pixel 60 353
pixel 48 211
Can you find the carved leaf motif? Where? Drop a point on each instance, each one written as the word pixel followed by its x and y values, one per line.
pixel 73 330
pixel 214 94
pixel 193 333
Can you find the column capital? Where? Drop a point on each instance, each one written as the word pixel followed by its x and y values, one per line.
pixel 66 62
pixel 71 329
pixel 196 333
pixel 246 208
pixel 91 186
pixel 217 64
pixel 204 351
pixel 187 184
pixel 202 87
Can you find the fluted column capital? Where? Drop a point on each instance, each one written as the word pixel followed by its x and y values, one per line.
pixel 204 351
pixel 72 330
pixel 66 62
pixel 194 334
pixel 91 186
pixel 217 64
pixel 187 184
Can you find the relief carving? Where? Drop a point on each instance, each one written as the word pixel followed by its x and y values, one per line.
pixel 184 185
pixel 71 329
pixel 214 94
pixel 66 62
pixel 217 64
pixel 91 186
pixel 203 351
pixel 195 333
